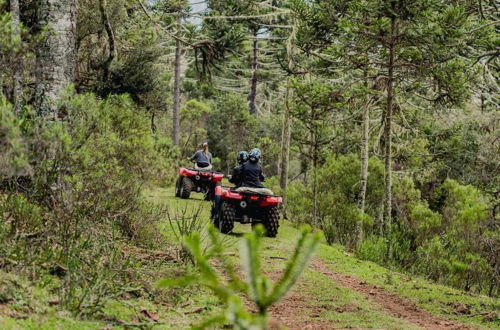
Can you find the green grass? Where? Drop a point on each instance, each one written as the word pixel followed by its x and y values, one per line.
pixel 435 298
pixel 324 299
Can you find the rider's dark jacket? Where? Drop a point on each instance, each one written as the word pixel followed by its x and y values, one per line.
pixel 251 175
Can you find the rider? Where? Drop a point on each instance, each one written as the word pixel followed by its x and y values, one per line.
pixel 236 176
pixel 203 158
pixel 251 172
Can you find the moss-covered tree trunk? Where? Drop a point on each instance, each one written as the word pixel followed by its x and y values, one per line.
pixel 55 54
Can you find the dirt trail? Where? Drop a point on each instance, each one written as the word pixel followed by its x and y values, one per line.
pixel 389 302
pixel 295 313
pixel 295 310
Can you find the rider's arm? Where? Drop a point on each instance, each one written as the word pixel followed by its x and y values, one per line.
pixel 235 177
pixel 232 179
pixel 195 156
pixel 261 176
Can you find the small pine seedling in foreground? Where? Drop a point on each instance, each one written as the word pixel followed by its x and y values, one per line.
pixel 228 285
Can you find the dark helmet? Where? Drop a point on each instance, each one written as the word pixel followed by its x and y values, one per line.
pixel 242 157
pixel 254 155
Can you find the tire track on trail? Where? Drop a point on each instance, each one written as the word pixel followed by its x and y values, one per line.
pixel 389 302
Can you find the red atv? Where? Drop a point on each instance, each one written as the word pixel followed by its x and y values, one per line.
pixel 249 206
pixel 198 181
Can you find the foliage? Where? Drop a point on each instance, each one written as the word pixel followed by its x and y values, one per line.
pixel 452 242
pixel 231 128
pixel 83 196
pixel 256 286
pixel 13 158
pixel 337 197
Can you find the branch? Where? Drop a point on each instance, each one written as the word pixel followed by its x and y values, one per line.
pixel 144 9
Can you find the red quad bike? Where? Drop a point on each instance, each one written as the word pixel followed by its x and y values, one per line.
pixel 198 181
pixel 246 207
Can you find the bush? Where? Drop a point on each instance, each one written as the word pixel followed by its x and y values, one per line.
pixel 455 242
pixel 338 191
pixel 83 199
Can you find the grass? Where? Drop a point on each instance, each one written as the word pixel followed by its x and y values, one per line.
pixel 322 298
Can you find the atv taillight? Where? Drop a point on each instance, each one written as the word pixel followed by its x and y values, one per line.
pixel 254 198
pixel 271 200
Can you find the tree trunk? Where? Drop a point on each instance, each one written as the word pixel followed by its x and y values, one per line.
pixel 18 67
pixel 388 134
pixel 315 181
pixel 55 54
pixel 177 92
pixel 253 90
pixel 111 40
pixel 364 170
pixel 285 143
pixel 287 122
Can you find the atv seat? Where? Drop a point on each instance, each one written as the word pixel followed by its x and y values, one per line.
pixel 204 169
pixel 259 191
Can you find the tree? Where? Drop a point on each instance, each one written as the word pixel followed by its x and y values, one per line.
pixel 315 105
pixel 411 44
pixel 177 92
pixel 55 54
pixel 16 34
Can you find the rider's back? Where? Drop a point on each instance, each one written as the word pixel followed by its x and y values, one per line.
pixel 251 175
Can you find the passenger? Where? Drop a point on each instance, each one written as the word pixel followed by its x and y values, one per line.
pixel 236 176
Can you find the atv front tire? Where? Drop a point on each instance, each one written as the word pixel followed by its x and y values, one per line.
pixel 185 188
pixel 272 221
pixel 226 219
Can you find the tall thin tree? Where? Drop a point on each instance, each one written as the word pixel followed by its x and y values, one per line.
pixel 252 97
pixel 287 115
pixel 18 65
pixel 177 88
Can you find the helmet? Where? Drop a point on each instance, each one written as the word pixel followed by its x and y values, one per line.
pixel 254 155
pixel 242 157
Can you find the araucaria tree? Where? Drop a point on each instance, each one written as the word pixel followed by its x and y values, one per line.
pixel 417 48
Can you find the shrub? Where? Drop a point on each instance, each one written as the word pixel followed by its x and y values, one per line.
pixel 338 191
pixel 455 242
pixel 83 199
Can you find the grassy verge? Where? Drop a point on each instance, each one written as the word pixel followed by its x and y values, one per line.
pixel 31 307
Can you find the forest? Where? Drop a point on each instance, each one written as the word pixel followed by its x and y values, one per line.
pixel 377 122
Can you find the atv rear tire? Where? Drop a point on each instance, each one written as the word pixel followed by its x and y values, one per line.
pixel 226 219
pixel 178 187
pixel 272 221
pixel 185 188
